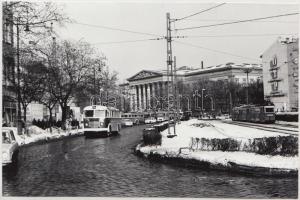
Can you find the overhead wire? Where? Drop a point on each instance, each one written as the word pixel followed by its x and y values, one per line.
pixel 238 21
pixel 202 11
pixel 225 20
pixel 127 41
pixel 117 29
pixel 213 50
pixel 237 35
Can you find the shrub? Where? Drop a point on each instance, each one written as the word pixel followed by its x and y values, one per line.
pixel 151 137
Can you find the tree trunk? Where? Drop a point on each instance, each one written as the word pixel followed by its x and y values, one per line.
pixel 23 124
pixel 50 118
pixel 64 115
pixel 25 112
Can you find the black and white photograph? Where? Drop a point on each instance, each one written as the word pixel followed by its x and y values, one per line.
pixel 147 99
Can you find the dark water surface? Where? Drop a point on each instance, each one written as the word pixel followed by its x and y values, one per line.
pixel 107 167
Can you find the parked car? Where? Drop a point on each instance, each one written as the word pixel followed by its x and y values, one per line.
pixel 10 147
pixel 150 120
pixel 227 116
pixel 127 122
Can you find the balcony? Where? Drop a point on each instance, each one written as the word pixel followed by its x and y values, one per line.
pixel 276 94
pixel 275 80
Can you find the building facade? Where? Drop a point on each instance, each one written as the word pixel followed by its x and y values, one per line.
pixel 9 103
pixel 280 72
pixel 147 84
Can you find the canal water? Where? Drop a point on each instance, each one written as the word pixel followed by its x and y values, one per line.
pixel 107 167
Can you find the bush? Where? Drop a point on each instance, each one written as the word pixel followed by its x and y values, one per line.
pixel 151 137
pixel 286 117
pixel 280 145
pixel 289 145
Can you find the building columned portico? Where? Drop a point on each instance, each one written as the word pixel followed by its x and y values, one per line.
pixel 146 86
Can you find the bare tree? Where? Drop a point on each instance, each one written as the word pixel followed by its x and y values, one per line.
pixel 31 85
pixel 68 64
pixel 49 100
pixel 35 17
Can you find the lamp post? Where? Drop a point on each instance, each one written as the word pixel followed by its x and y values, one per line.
pixel 202 98
pixel 247 70
pixel 212 103
pixel 19 114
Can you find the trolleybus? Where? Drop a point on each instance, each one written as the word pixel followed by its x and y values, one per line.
pixel 101 120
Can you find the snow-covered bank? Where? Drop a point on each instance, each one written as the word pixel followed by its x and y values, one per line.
pixel 36 134
pixel 180 147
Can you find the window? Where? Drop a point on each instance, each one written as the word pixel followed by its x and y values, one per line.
pixel 269 110
pixel 274 86
pixel 12 135
pixel 89 113
pixel 274 74
pixel 5 138
pixel 99 113
pixel 273 62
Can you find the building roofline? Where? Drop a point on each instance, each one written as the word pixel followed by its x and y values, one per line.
pixel 151 71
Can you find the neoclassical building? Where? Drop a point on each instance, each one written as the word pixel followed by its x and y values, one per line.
pixel 151 83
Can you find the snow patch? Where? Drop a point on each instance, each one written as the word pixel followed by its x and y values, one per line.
pixel 179 146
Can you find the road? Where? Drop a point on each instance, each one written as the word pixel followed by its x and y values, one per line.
pixel 108 167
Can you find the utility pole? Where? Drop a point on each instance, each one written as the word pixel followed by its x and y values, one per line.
pixel 247 70
pixel 169 64
pixel 174 91
pixel 19 124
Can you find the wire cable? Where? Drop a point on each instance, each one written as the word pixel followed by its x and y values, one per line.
pixel 228 20
pixel 236 22
pixel 127 41
pixel 117 29
pixel 238 35
pixel 216 51
pixel 200 12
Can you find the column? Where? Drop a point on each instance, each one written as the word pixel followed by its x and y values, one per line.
pixel 164 89
pixel 131 97
pixel 145 96
pixel 154 89
pixel 137 98
pixel 149 95
pixel 160 89
pixel 141 97
pixel 134 98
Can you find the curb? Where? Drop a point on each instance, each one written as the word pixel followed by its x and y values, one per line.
pixel 205 165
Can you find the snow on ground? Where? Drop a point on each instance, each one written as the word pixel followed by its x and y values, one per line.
pixel 35 134
pixel 240 132
pixel 220 157
pixel 287 123
pixel 216 129
pixel 211 129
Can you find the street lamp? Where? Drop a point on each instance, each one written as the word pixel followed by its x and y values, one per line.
pixel 248 70
pixel 19 114
pixel 202 97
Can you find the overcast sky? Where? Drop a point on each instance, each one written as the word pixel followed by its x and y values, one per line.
pixel 129 58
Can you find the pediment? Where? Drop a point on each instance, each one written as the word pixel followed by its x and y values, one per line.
pixel 144 75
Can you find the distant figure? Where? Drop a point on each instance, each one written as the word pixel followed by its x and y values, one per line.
pixel 34 122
